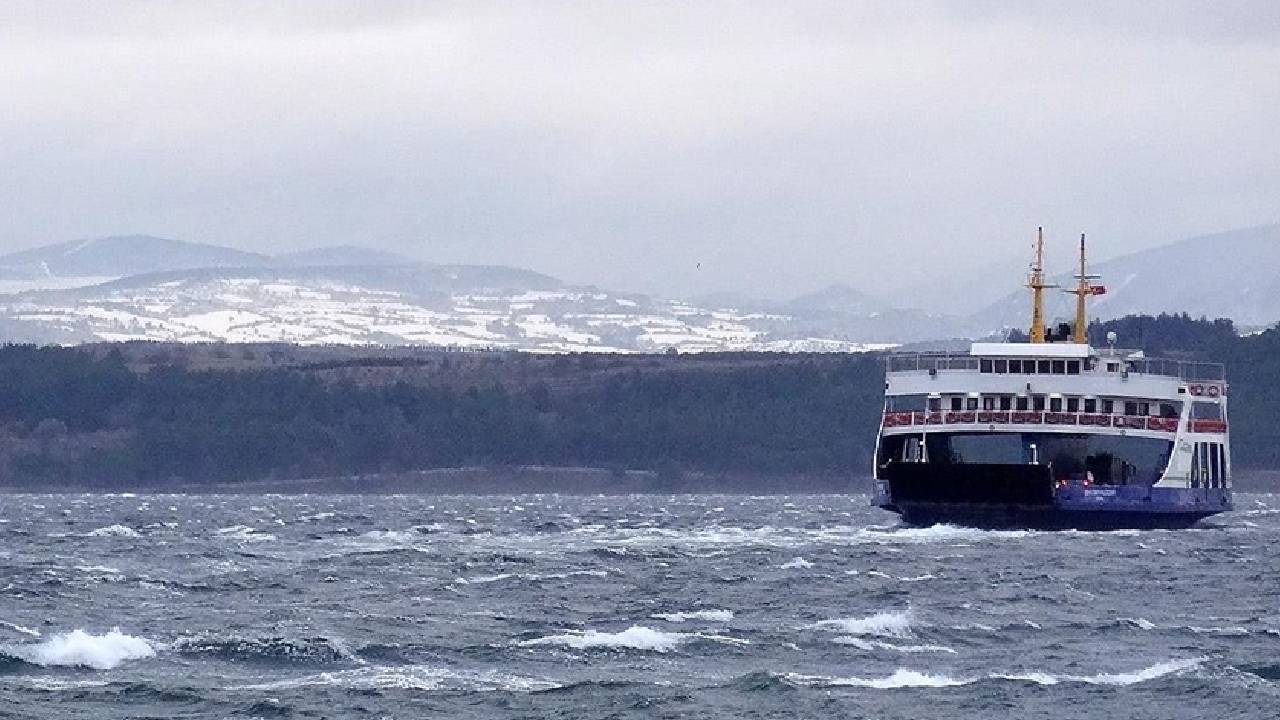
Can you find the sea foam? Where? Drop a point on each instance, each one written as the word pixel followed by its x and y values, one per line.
pixel 906 678
pixel 636 637
pixel 708 615
pixel 882 624
pixel 81 649
pixel 114 531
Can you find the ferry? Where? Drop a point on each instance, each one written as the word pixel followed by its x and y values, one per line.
pixel 1053 433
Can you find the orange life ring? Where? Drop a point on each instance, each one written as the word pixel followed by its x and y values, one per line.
pixel 1197 390
pixel 1214 391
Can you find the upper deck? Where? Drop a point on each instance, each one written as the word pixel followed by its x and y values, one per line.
pixel 1053 359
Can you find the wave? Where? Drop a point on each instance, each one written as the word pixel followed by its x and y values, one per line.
pixel 796 564
pixel 892 624
pixel 307 651
pixel 413 677
pixel 81 649
pixel 531 577
pixel 20 629
pixel 906 678
pixel 244 533
pixel 862 644
pixel 1159 670
pixel 708 615
pixel 636 637
pixel 113 531
pixel 940 533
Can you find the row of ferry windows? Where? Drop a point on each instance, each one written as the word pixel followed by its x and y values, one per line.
pixel 1039 367
pixel 1041 403
pixel 1038 403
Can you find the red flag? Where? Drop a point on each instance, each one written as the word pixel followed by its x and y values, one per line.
pixel 1099 289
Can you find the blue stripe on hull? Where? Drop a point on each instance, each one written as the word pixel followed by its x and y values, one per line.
pixel 1045 517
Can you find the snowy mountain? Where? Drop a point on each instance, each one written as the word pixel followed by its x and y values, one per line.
pixel 456 306
pixel 1232 274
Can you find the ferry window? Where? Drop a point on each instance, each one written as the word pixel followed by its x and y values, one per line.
pixel 1108 406
pixel 984 365
pixel 1028 367
pixel 1090 364
pixel 957 403
pixel 1195 466
pixel 1090 405
pixel 988 403
pixel 972 404
pixel 1039 403
pixel 1206 411
pixel 1170 410
pixel 1113 367
pixel 935 404
pixel 1144 408
pixel 1043 367
pixel 1006 402
pixel 1215 471
pixel 1222 463
pixel 1059 367
pixel 1055 404
pixel 1073 404
pixel 1204 460
pixel 906 403
pixel 1002 367
pixel 1131 408
pixel 1022 403
pixel 1073 367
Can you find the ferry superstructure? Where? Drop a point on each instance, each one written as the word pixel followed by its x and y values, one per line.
pixel 1053 432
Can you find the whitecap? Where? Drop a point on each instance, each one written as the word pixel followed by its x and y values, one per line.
pixel 483 579
pixel 863 644
pixel 81 649
pixel 901 678
pixel 881 624
pixel 1235 631
pixel 906 678
pixel 636 637
pixel 1140 623
pixel 113 531
pixel 941 533
pixel 244 533
pixel 1146 674
pixel 20 628
pixel 796 564
pixel 413 677
pixel 708 615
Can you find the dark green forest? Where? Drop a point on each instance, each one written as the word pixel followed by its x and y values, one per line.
pixel 147 415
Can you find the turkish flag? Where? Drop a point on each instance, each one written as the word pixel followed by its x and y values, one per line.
pixel 1099 289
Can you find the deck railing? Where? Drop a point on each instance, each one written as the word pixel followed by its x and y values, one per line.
pixel 1191 370
pixel 1037 417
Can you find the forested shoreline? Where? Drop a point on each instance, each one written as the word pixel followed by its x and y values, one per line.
pixel 154 416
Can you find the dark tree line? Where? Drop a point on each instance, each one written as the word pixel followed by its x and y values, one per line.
pixel 88 418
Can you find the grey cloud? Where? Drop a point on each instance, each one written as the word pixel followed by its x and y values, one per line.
pixel 682 148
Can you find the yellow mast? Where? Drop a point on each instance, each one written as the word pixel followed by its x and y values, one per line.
pixel 1082 289
pixel 1038 286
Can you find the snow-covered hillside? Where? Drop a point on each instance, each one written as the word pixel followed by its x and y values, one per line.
pixel 312 307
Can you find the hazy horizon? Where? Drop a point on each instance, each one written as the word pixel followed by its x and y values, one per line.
pixel 664 148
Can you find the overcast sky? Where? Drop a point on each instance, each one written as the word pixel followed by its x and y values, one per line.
pixel 685 148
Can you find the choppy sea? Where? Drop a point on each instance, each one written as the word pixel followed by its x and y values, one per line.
pixel 621 607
